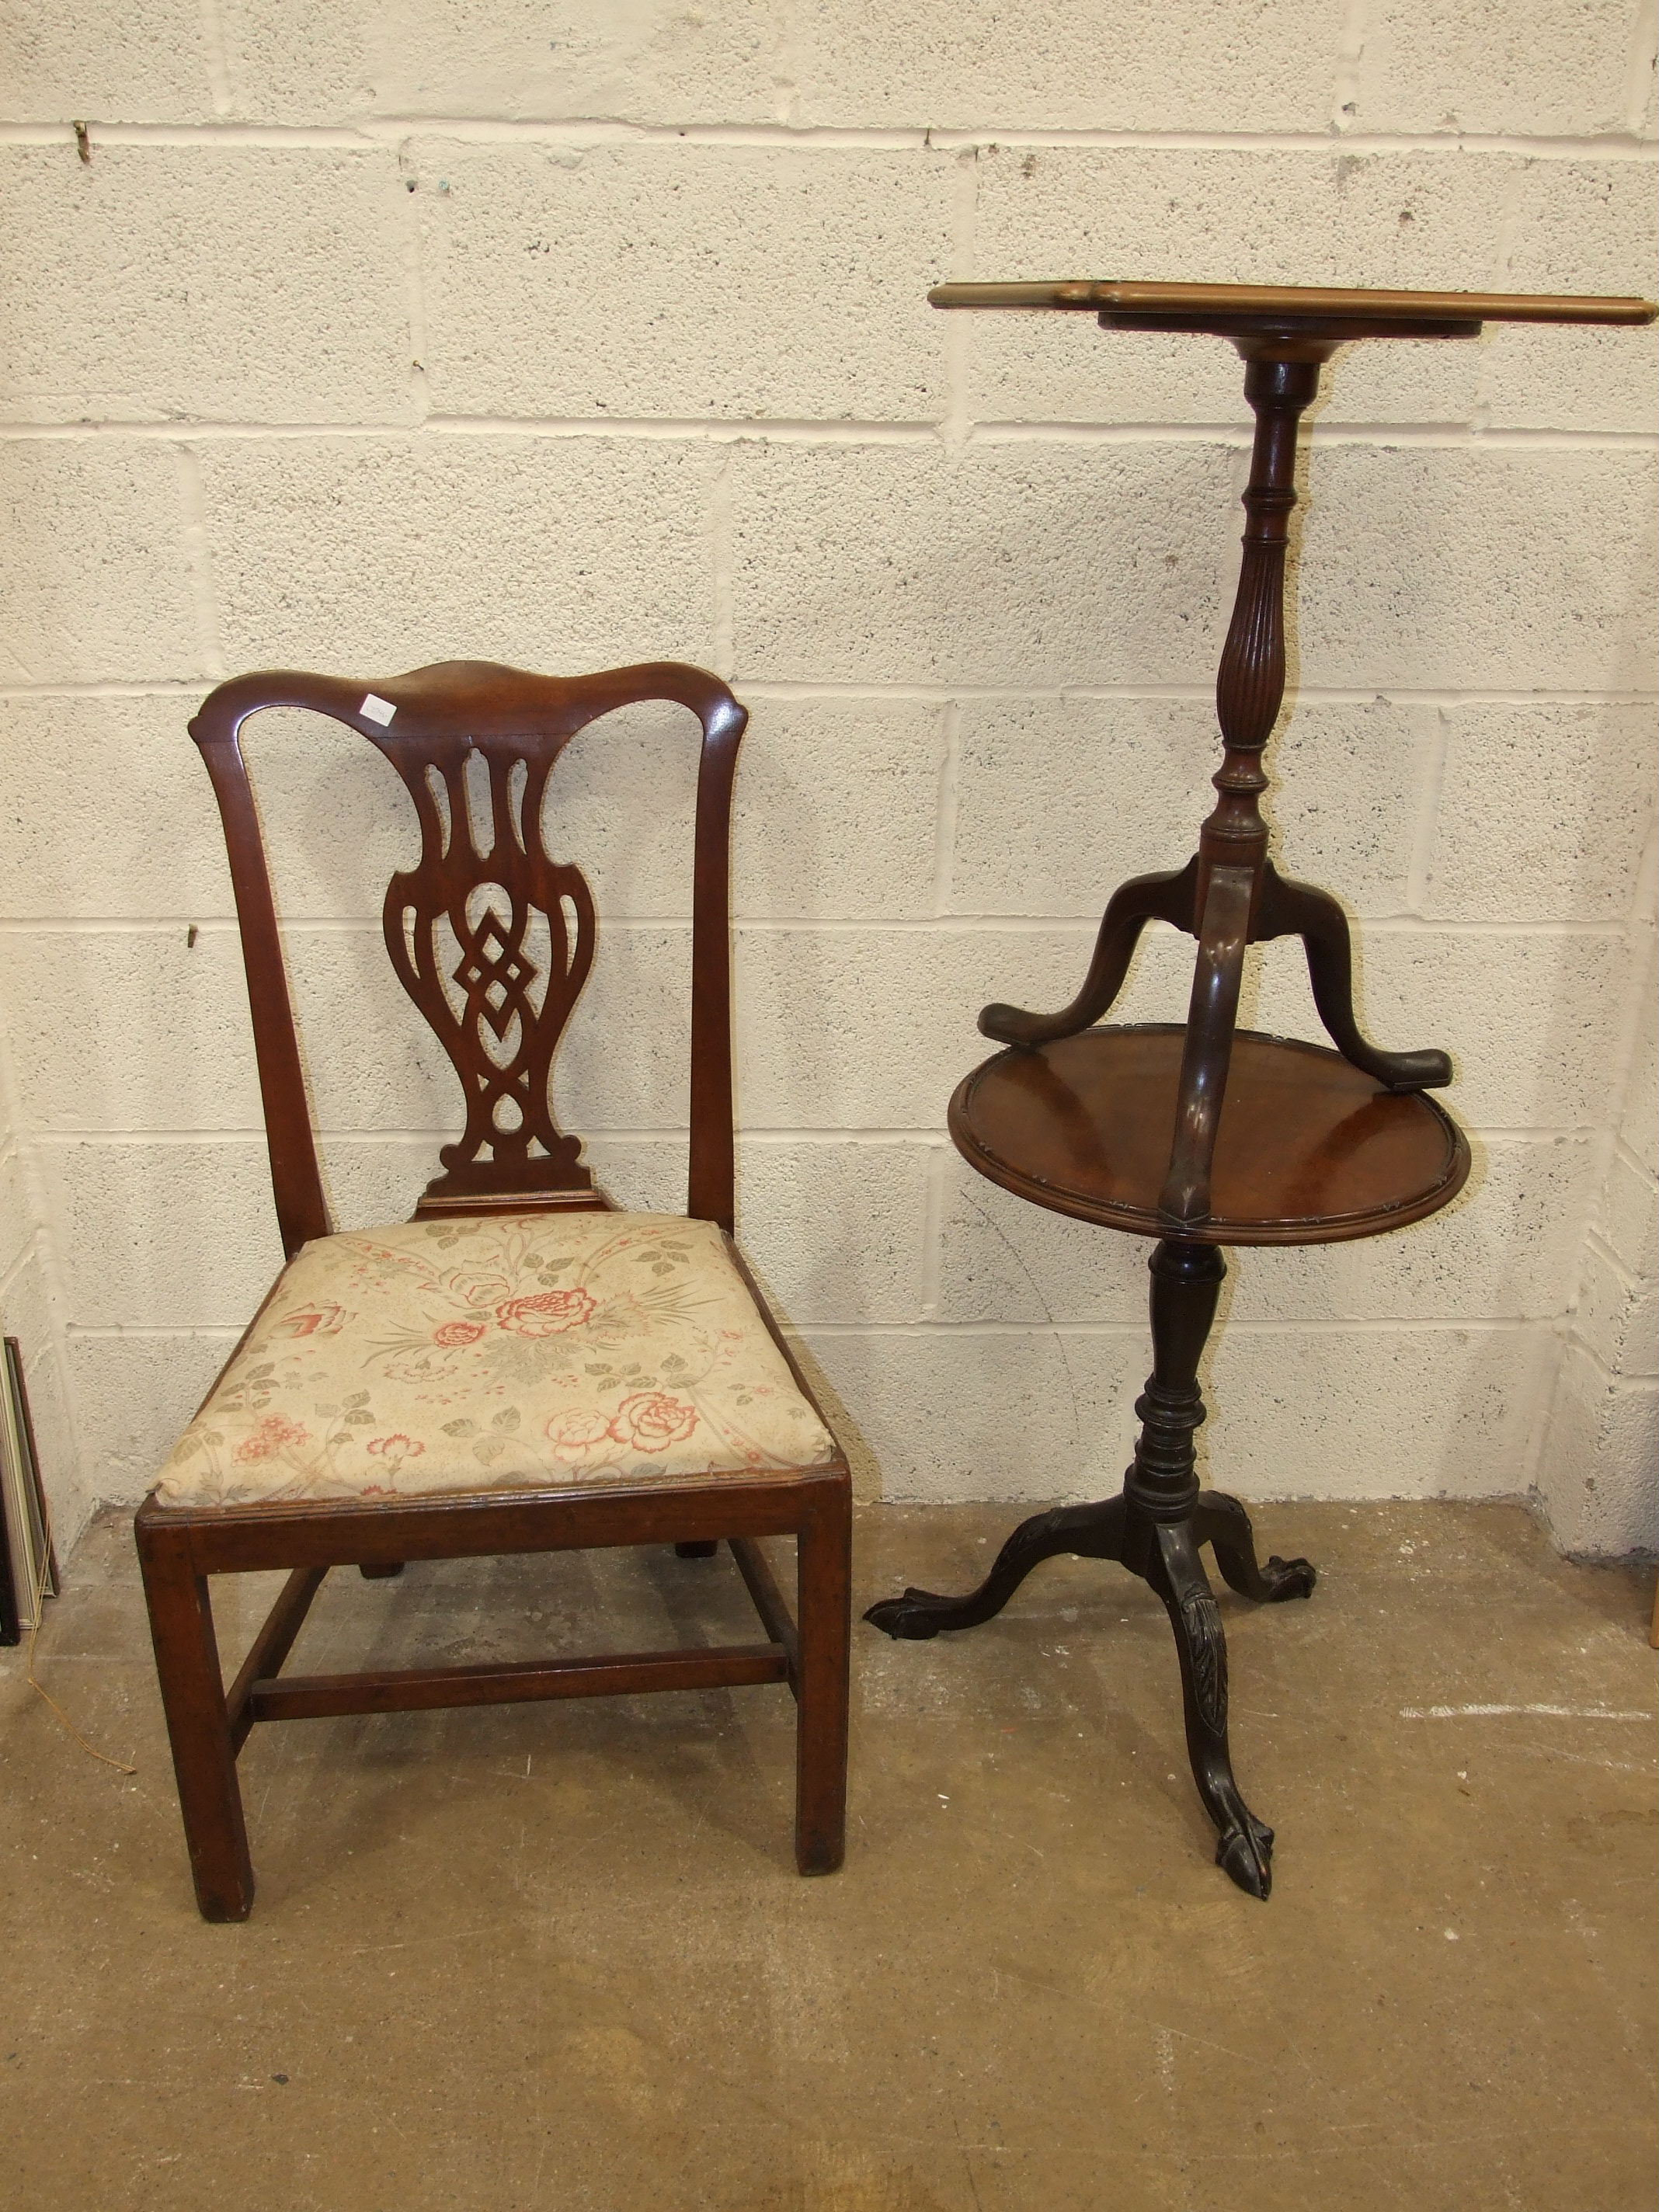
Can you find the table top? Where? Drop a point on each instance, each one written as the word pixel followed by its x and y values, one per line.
pixel 1111 298
pixel 1311 1150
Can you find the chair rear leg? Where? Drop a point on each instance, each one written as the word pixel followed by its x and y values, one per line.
pixel 198 1727
pixel 698 1551
pixel 380 1570
pixel 824 1587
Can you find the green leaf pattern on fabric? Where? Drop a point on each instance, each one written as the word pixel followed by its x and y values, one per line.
pixel 500 1351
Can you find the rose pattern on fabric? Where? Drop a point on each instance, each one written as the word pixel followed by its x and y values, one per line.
pixel 497 1351
pixel 452 1332
pixel 546 1313
pixel 580 1436
pixel 652 1420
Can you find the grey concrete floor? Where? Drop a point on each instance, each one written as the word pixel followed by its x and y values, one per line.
pixel 556 1956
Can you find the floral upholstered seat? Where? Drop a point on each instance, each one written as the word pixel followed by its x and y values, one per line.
pixel 497 1350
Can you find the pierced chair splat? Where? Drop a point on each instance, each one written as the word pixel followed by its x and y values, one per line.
pixel 521 1367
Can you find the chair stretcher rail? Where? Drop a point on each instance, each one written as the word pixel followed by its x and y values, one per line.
pixel 270 1647
pixel 312 1697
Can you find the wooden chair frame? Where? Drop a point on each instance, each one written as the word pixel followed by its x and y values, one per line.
pixel 427 724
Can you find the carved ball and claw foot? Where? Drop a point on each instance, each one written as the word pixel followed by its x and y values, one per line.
pixel 1223 1523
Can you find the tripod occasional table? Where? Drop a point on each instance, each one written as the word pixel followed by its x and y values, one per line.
pixel 1205 1135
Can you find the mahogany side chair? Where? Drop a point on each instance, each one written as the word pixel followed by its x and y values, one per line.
pixel 520 1367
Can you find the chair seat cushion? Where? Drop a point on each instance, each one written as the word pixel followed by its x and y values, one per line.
pixel 497 1351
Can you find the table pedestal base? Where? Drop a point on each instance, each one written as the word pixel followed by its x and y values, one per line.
pixel 1154 1529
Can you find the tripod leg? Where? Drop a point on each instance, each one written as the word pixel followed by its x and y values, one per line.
pixel 1245 1845
pixel 1092 1531
pixel 1288 909
pixel 1162 1504
pixel 1222 1522
pixel 1131 907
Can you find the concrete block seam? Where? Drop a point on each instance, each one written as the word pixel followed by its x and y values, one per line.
pixel 216 50
pixel 822 431
pixel 1616 146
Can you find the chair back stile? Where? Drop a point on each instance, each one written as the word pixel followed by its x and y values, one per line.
pixel 499 1010
pixel 712 1183
pixel 296 1183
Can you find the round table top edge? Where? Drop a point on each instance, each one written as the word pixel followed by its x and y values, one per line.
pixel 1339 1229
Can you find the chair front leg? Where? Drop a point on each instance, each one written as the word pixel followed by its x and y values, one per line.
pixel 198 1726
pixel 824 1597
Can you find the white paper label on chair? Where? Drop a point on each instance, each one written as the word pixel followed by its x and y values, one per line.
pixel 378 710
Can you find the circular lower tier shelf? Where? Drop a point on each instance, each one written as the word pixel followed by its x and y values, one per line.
pixel 1311 1151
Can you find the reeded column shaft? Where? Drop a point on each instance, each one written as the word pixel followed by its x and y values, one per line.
pixel 1250 680
pixel 1232 845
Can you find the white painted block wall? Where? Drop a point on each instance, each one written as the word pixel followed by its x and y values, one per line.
pixel 374 334
pixel 33 1312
